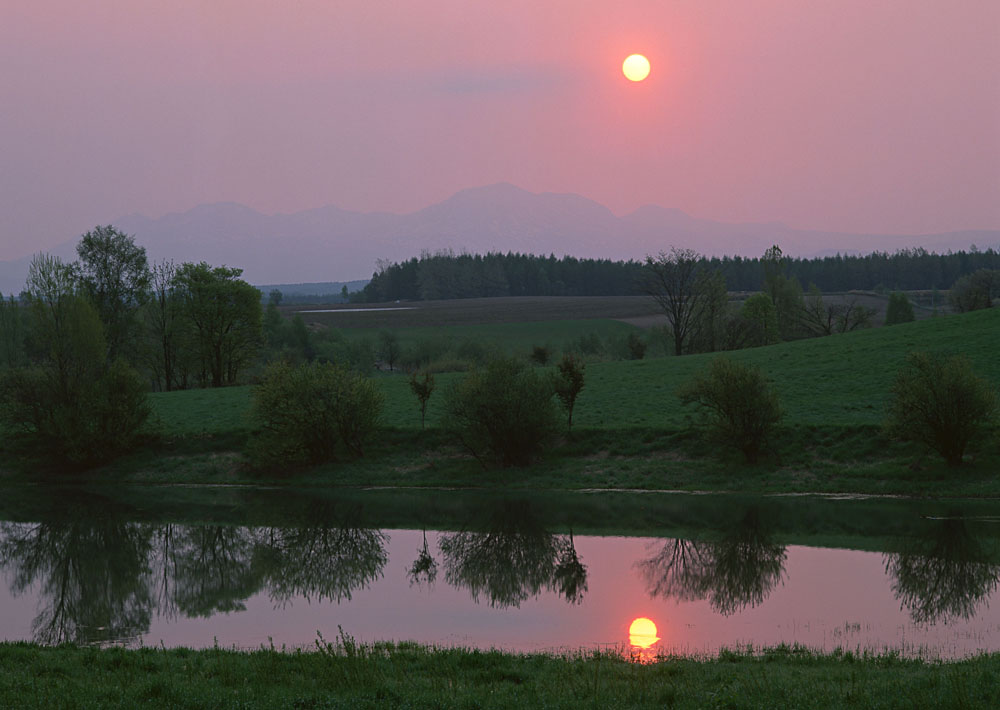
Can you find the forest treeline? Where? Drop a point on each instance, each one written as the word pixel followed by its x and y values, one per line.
pixel 446 275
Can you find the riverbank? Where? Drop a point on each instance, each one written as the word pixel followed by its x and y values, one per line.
pixel 629 431
pixel 349 675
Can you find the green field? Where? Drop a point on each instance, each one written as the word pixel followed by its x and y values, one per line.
pixel 630 430
pixel 349 675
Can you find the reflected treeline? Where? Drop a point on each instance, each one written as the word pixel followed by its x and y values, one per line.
pixel 102 579
pixel 513 557
pixel 943 574
pixel 738 569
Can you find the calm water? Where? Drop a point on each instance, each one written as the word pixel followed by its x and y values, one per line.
pixel 514 573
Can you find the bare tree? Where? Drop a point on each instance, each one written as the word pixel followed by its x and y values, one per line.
pixel 671 278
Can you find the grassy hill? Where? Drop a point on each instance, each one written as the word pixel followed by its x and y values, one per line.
pixel 631 431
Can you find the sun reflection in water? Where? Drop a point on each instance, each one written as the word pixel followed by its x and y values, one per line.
pixel 642 633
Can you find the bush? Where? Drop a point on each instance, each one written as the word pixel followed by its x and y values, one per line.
pixel 503 412
pixel 91 422
pixel 741 405
pixel 636 348
pixel 307 414
pixel 899 310
pixel 540 354
pixel 568 382
pixel 941 402
pixel 974 291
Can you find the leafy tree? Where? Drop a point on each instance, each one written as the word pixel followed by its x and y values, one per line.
pixel 306 414
pixel 114 274
pixel 975 291
pixel 741 405
pixel 762 320
pixel 785 293
pixel 70 406
pixel 671 279
pixel 568 383
pixel 422 388
pixel 169 334
pixel 225 312
pixel 899 310
pixel 12 329
pixel 503 412
pixel 939 401
pixel 389 349
pixel 539 354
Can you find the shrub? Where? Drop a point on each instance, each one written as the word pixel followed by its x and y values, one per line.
pixel 306 414
pixel 975 291
pixel 90 422
pixel 941 402
pixel 741 405
pixel 899 310
pixel 636 348
pixel 503 412
pixel 540 354
pixel 568 382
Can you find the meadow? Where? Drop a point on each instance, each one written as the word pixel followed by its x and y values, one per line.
pixel 630 430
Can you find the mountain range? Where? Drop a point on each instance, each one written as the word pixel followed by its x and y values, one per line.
pixel 333 244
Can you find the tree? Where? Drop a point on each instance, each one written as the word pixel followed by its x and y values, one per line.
pixel 306 414
pixel 388 348
pixel 11 332
pixel 165 326
pixel 671 279
pixel 710 326
pixel 422 388
pixel 762 320
pixel 71 406
pixel 568 383
pixel 785 293
pixel 975 291
pixel 114 274
pixel 822 318
pixel 226 314
pixel 899 310
pixel 741 405
pixel 939 401
pixel 503 412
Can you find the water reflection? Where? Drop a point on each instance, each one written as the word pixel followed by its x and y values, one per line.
pixel 737 570
pixel 513 558
pixel 943 574
pixel 103 579
pixel 424 569
pixel 94 577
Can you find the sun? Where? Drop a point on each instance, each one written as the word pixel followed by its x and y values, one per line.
pixel 642 633
pixel 635 67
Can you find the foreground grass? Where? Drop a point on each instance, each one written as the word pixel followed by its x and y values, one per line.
pixel 346 675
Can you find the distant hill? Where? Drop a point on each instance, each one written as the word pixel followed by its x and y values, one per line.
pixel 331 244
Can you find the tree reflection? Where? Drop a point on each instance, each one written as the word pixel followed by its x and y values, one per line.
pixel 734 572
pixel 323 562
pixel 424 568
pixel 943 575
pixel 214 569
pixel 512 559
pixel 93 574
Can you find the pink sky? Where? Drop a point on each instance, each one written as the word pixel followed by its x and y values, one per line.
pixel 851 115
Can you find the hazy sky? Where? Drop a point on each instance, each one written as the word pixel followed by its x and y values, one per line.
pixel 854 115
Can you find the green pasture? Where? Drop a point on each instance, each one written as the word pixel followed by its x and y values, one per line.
pixel 840 380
